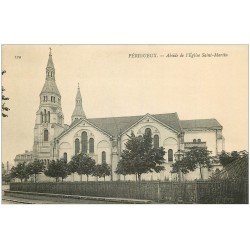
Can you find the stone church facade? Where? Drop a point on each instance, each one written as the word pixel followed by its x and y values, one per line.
pixel 104 138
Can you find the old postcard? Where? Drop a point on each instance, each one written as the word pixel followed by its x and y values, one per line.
pixel 133 124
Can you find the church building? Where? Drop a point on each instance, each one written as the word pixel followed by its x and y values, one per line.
pixel 104 138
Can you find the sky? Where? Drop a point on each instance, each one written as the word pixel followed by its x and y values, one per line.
pixel 115 83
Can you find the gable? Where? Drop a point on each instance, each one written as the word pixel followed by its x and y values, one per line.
pixel 114 126
pixel 82 124
pixel 117 125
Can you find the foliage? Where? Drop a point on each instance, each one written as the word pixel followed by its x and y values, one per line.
pixel 226 158
pixel 101 170
pixel 36 167
pixel 6 178
pixel 57 169
pixel 4 98
pixel 121 169
pixel 185 166
pixel 195 158
pixel 82 164
pixel 21 171
pixel 140 156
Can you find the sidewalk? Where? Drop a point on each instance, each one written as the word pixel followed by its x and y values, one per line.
pixel 48 198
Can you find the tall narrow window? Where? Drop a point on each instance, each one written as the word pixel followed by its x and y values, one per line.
pixel 194 140
pixel 156 141
pixel 148 131
pixel 41 115
pixel 91 145
pixel 84 138
pixel 77 146
pixel 46 135
pixel 103 157
pixel 199 140
pixel 170 155
pixel 48 116
pixel 45 116
pixel 65 157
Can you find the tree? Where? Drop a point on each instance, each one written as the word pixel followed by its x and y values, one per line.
pixel 82 164
pixel 195 158
pixel 21 172
pixel 57 169
pixel 36 167
pixel 4 98
pixel 141 157
pixel 102 170
pixel 226 158
pixel 122 169
pixel 185 166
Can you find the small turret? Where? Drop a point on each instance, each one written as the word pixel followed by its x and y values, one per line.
pixel 78 112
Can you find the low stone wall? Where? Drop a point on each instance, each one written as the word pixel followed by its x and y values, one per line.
pixel 214 192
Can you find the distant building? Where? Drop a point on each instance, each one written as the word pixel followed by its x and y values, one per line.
pixel 27 156
pixel 105 138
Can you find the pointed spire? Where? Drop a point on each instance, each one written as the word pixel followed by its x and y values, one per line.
pixel 50 63
pixel 78 95
pixel 50 83
pixel 78 112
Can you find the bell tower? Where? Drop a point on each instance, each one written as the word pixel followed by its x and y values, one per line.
pixel 49 117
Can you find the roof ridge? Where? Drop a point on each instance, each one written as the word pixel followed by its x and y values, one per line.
pixel 129 116
pixel 200 119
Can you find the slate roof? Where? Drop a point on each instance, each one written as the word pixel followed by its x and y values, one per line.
pixel 50 84
pixel 78 111
pixel 236 169
pixel 50 63
pixel 50 87
pixel 200 124
pixel 116 125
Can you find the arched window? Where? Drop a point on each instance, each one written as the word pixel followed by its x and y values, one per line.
pixel 148 131
pixel 156 141
pixel 103 157
pixel 84 142
pixel 140 137
pixel 65 157
pixel 194 140
pixel 46 135
pixel 199 140
pixel 48 161
pixel 77 146
pixel 48 116
pixel 45 116
pixel 51 98
pixel 41 115
pixel 170 155
pixel 91 145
